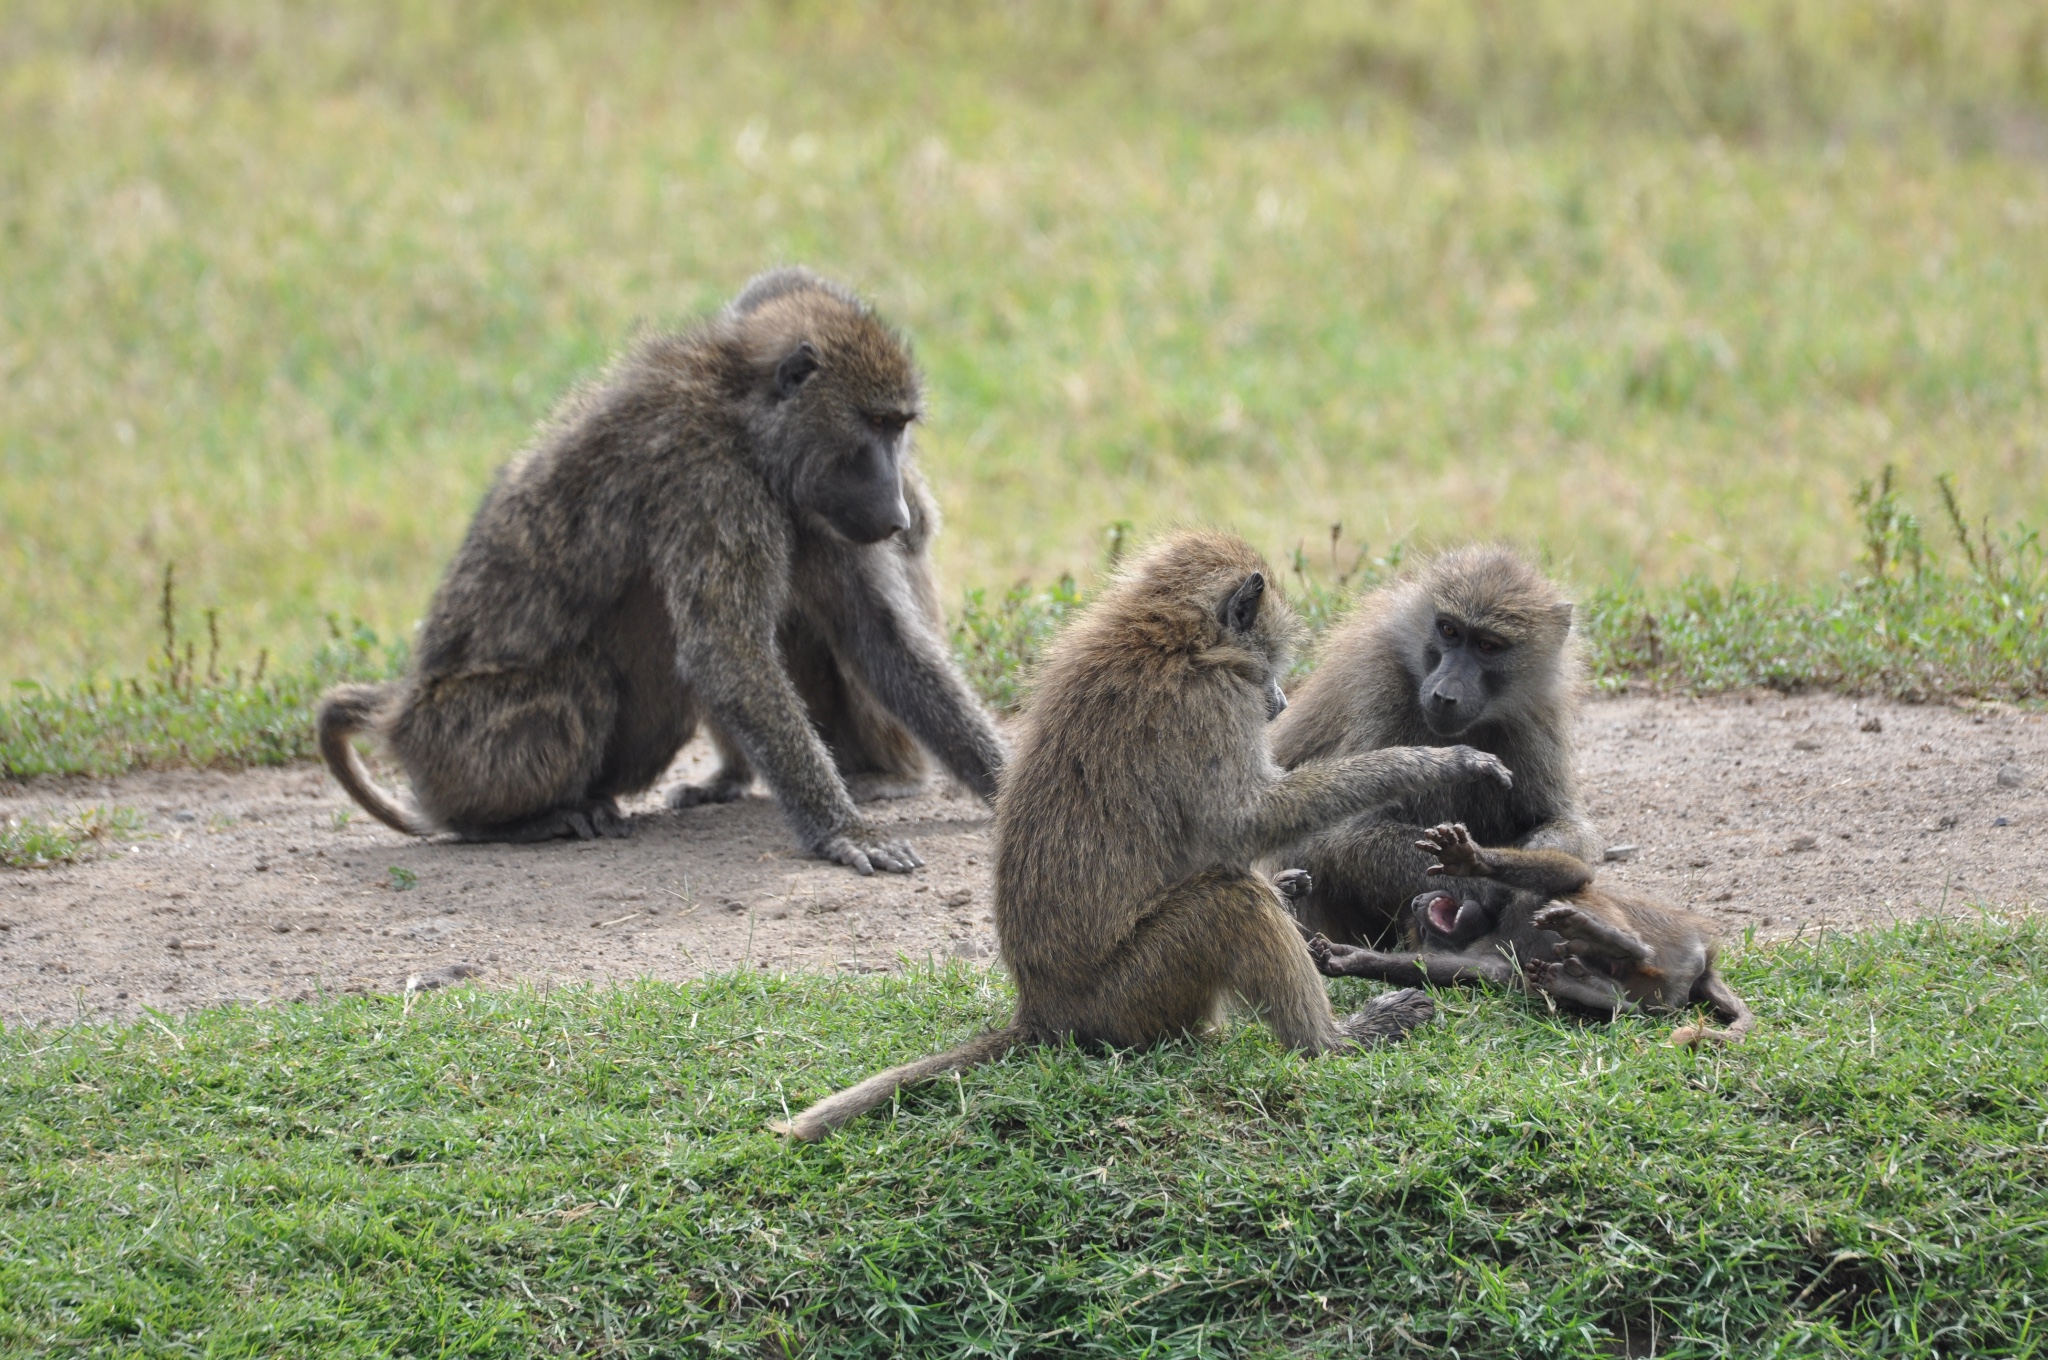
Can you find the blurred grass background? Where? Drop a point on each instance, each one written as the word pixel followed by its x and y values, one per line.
pixel 1651 287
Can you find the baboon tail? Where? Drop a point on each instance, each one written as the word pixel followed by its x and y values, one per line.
pixel 834 1110
pixel 1718 994
pixel 346 711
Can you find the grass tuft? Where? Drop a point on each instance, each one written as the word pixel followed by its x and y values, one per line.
pixel 586 1170
pixel 29 844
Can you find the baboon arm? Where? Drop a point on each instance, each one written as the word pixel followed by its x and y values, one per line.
pixel 1418 969
pixel 905 664
pixel 765 718
pixel 1547 873
pixel 1312 796
pixel 1570 834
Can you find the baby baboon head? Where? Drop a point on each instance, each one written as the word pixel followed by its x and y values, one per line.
pixel 838 391
pixel 1489 634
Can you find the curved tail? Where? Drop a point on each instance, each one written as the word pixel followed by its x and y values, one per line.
pixel 347 710
pixel 834 1110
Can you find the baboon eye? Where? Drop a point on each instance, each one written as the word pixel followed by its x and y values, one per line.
pixel 1489 647
pixel 890 423
pixel 1448 629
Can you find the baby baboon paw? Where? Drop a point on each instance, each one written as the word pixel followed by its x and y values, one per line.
pixel 1294 884
pixel 1457 853
pixel 1388 1017
pixel 1540 973
pixel 719 790
pixel 1335 960
pixel 1560 917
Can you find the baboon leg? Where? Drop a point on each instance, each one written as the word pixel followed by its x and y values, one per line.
pixel 1714 991
pixel 1214 935
pixel 729 784
pixel 584 820
pixel 1601 938
pixel 501 751
pixel 1411 970
pixel 1572 981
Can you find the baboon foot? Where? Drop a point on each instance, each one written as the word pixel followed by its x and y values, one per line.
pixel 584 820
pixel 877 787
pixel 1294 884
pixel 723 788
pixel 864 856
pixel 1388 1018
pixel 1458 855
pixel 1542 974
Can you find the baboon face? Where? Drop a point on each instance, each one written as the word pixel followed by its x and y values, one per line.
pixel 1467 664
pixel 851 473
pixel 1443 920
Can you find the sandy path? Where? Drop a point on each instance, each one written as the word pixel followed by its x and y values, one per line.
pixel 1762 811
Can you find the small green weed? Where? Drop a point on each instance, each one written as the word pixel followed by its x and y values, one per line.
pixel 403 879
pixel 27 844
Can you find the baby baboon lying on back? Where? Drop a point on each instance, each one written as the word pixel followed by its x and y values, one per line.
pixel 1533 916
pixel 1127 823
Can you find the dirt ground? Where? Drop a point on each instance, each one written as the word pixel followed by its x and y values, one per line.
pixel 1762 811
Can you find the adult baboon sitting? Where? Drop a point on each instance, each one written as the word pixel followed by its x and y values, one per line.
pixel 724 527
pixel 1474 648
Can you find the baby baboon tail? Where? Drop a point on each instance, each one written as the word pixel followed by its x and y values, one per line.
pixel 346 711
pixel 1718 994
pixel 834 1110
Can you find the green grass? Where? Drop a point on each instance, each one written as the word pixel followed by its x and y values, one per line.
pixel 29 844
pixel 586 1171
pixel 1918 623
pixel 1650 286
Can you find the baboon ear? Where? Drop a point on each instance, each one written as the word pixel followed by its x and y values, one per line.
pixel 1564 614
pixel 1241 610
pixel 799 364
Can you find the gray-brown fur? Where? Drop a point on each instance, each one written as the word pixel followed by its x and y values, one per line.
pixel 1381 681
pixel 1139 795
pixel 725 528
pixel 1533 917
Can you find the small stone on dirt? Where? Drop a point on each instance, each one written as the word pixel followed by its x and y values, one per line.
pixel 1807 744
pixel 1873 723
pixel 957 897
pixel 2001 821
pixel 185 815
pixel 2011 776
pixel 1800 843
pixel 1620 854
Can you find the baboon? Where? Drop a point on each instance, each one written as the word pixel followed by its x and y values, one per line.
pixel 1140 792
pixel 1476 649
pixel 725 527
pixel 1533 916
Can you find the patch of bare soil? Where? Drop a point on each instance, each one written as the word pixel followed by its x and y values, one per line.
pixel 1761 811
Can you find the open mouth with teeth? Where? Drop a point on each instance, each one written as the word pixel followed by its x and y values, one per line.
pixel 1442 911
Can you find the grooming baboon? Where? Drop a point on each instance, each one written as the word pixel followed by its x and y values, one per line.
pixel 1534 915
pixel 1140 792
pixel 726 527
pixel 1475 648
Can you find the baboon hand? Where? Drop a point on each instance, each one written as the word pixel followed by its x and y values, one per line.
pixel 865 855
pixel 1468 763
pixel 1333 959
pixel 1563 918
pixel 1294 884
pixel 1457 853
